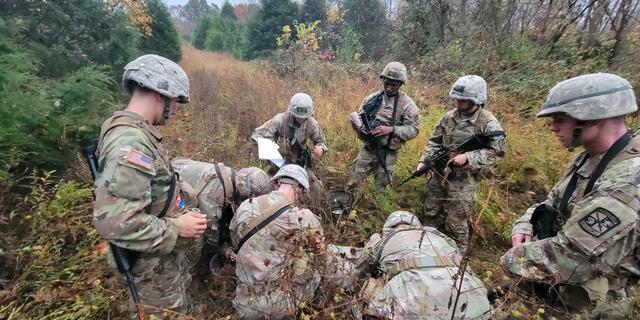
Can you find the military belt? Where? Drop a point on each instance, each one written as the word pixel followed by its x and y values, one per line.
pixel 421 262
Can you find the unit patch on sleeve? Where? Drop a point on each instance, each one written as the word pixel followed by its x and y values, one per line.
pixel 599 222
pixel 138 158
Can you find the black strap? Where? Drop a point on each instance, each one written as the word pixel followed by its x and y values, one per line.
pixel 233 182
pixel 172 189
pixel 224 188
pixel 262 225
pixel 615 149
pixel 393 119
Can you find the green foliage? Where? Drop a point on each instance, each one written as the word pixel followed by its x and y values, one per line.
pixel 313 10
pixel 225 34
pixel 368 19
pixel 266 25
pixel 349 47
pixel 195 10
pixel 164 38
pixel 200 32
pixel 227 11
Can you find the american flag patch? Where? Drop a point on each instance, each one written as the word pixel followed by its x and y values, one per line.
pixel 139 159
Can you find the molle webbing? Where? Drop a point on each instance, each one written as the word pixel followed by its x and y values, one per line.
pixel 268 212
pixel 421 262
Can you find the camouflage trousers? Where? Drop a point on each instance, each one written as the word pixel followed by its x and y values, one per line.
pixel 162 281
pixel 448 206
pixel 368 162
pixel 271 301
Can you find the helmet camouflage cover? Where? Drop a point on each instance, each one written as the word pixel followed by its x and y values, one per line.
pixel 301 105
pixel 294 172
pixel 591 97
pixel 395 71
pixel 159 74
pixel 252 181
pixel 470 87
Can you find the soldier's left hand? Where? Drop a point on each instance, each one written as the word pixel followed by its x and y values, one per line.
pixel 382 131
pixel 318 151
pixel 460 160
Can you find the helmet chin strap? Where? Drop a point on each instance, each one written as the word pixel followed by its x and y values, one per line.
pixel 577 131
pixel 165 111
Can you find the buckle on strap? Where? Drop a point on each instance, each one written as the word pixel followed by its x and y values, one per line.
pixel 422 262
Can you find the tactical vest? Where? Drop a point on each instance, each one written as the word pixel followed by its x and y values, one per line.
pixel 267 209
pixel 123 119
pixel 454 135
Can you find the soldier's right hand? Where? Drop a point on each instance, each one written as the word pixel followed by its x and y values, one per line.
pixel 192 224
pixel 520 238
pixel 420 166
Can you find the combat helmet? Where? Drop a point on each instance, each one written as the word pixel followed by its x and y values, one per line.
pixel 292 173
pixel 252 181
pixel 301 105
pixel 158 74
pixel 470 87
pixel 401 217
pixel 395 71
pixel 591 97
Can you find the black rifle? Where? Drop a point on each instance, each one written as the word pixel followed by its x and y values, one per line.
pixel 125 259
pixel 371 143
pixel 440 158
pixel 304 159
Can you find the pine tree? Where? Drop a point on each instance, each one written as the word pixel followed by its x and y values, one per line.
pixel 313 10
pixel 164 37
pixel 266 25
pixel 227 11
pixel 368 19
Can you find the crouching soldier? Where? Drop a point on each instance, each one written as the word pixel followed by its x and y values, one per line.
pixel 276 244
pixel 219 190
pixel 411 272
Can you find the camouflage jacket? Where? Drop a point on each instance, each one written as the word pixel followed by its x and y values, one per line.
pixel 600 234
pixel 414 262
pixel 209 188
pixel 406 125
pixel 455 127
pixel 283 128
pixel 132 185
pixel 276 258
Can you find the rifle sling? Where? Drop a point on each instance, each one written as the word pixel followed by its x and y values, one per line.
pixel 393 120
pixel 261 225
pixel 615 149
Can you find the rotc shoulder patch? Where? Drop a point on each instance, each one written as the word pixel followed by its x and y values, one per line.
pixel 139 159
pixel 599 222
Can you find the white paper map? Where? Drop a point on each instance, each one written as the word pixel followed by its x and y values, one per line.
pixel 268 150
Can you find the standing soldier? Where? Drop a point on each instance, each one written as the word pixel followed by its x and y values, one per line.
pixel 220 190
pixel 413 273
pixel 451 196
pixel 385 121
pixel 138 206
pixel 292 131
pixel 275 243
pixel 582 242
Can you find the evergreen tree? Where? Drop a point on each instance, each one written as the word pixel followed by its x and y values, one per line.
pixel 266 25
pixel 225 35
pixel 227 11
pixel 200 33
pixel 368 19
pixel 194 10
pixel 164 38
pixel 313 10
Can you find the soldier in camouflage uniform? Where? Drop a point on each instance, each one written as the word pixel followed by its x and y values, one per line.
pixel 591 255
pixel 220 190
pixel 451 198
pixel 394 120
pixel 138 202
pixel 412 269
pixel 275 243
pixel 292 131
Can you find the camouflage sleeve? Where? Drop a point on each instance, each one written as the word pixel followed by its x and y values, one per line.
pixel 486 158
pixel 123 191
pixel 317 136
pixel 241 218
pixel 268 130
pixel 409 125
pixel 602 230
pixel 522 224
pixel 367 256
pixel 435 142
